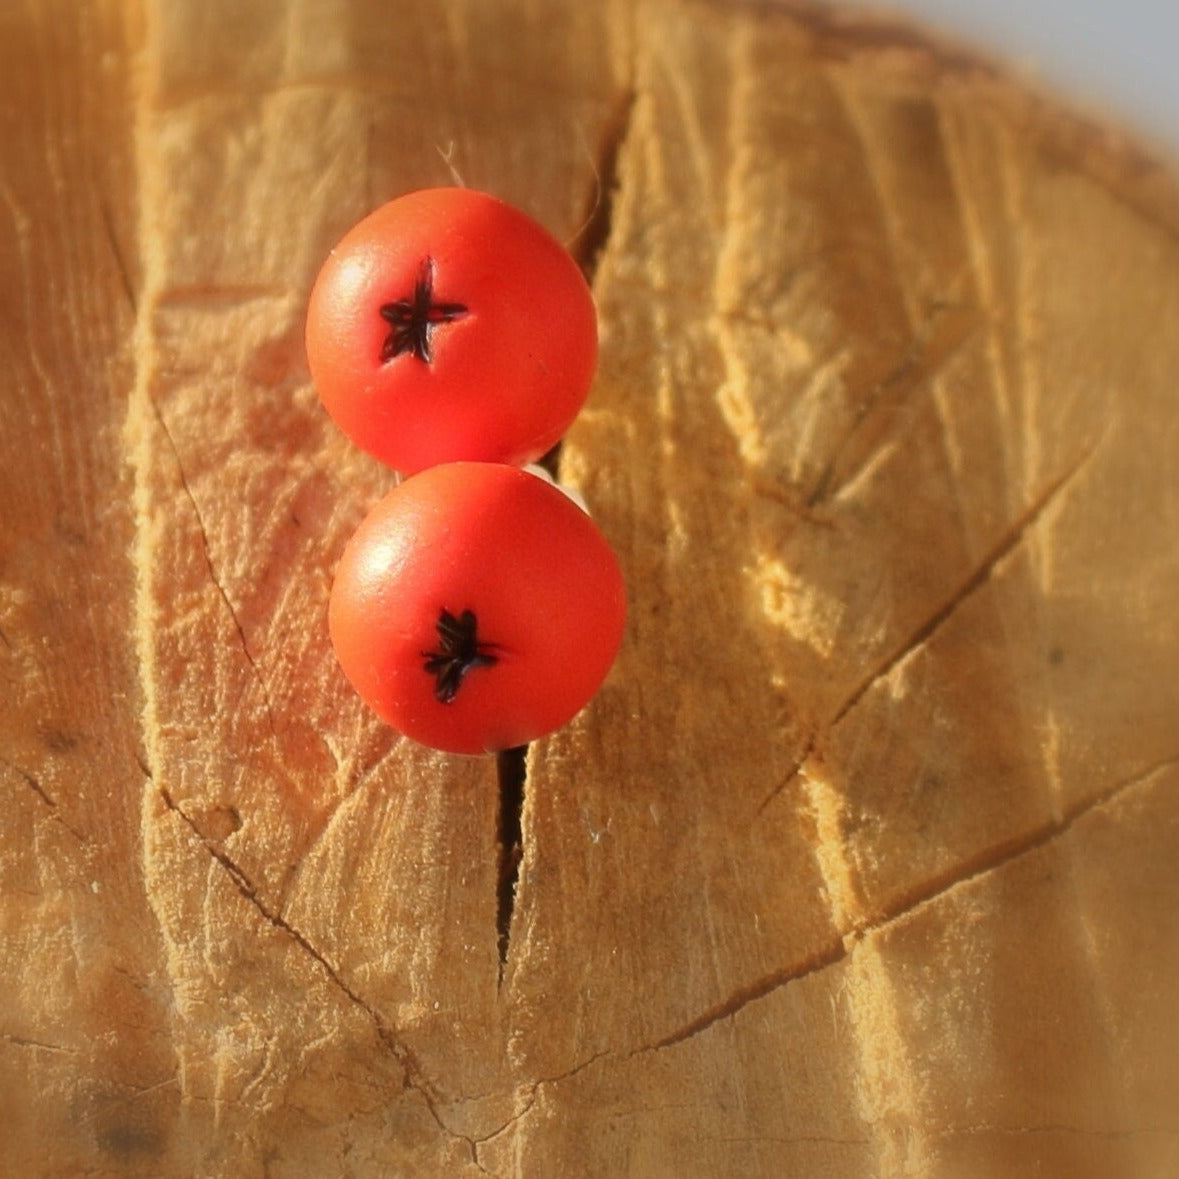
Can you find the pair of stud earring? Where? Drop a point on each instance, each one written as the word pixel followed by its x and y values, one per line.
pixel 477 607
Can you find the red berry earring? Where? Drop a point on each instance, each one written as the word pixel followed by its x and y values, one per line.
pixel 477 607
pixel 448 325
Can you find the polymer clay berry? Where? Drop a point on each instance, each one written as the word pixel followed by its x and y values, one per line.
pixel 477 608
pixel 448 325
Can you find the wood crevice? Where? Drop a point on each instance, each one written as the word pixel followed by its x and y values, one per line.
pixel 942 336
pixel 846 942
pixel 124 272
pixel 1002 854
pixel 512 764
pixel 414 1077
pixel 512 771
pixel 1007 543
pixel 590 240
pixel 35 785
pixel 206 551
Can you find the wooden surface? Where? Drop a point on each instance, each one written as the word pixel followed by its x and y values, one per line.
pixel 865 862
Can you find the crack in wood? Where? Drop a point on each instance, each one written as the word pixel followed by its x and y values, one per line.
pixel 30 781
pixel 999 855
pixel 845 944
pixel 414 1077
pixel 529 1102
pixel 484 1139
pixel 791 776
pixel 206 551
pixel 512 768
pixel 573 1070
pixel 37 788
pixel 979 576
pixel 1007 543
pixel 932 349
pixel 512 764
pixel 743 996
pixel 590 240
pixel 121 267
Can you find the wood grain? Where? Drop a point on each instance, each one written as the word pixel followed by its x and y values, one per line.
pixel 862 863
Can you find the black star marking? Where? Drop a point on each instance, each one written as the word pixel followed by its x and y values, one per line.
pixel 460 652
pixel 413 320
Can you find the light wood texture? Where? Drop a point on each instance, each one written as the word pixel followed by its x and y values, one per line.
pixel 865 861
